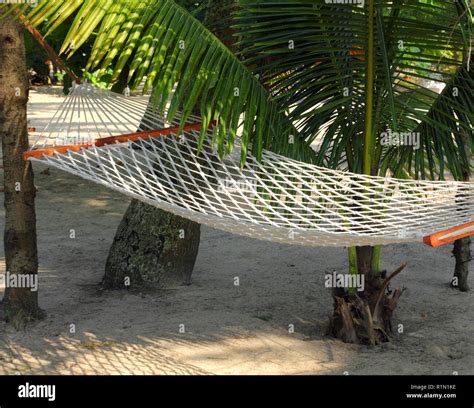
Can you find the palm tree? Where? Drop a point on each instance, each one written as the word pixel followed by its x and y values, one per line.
pixel 462 247
pixel 20 302
pixel 338 74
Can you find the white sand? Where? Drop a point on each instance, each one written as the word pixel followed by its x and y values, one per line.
pixel 228 329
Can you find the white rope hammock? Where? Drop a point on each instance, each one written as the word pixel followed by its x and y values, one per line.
pixel 276 199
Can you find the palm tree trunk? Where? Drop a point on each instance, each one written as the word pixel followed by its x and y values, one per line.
pixel 365 316
pixel 462 254
pixel 153 248
pixel 20 304
pixel 462 247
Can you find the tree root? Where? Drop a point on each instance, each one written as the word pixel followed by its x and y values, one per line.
pixel 366 318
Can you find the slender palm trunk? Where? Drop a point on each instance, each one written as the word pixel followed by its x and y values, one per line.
pixel 463 255
pixel 462 247
pixel 20 304
pixel 365 316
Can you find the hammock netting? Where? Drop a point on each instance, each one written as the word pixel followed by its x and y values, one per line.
pixel 275 199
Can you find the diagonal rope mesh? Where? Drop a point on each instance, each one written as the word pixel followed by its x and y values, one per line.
pixel 277 199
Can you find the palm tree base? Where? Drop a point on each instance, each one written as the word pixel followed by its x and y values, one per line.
pixel 365 318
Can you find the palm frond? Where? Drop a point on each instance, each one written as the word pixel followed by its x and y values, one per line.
pixel 184 64
pixel 446 133
pixel 312 56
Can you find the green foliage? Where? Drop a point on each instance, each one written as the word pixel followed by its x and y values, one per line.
pixel 300 62
pixel 60 76
pixel 182 61
pixel 98 79
pixel 322 79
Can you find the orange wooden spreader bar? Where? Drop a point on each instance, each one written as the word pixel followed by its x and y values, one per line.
pixel 39 153
pixel 145 135
pixel 449 235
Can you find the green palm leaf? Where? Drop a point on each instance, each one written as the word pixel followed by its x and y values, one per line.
pixel 322 79
pixel 183 62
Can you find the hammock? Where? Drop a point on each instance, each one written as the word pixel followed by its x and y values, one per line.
pixel 112 140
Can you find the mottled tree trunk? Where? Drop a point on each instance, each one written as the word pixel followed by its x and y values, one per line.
pixel 20 304
pixel 153 248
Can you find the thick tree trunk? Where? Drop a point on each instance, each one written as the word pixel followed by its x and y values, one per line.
pixel 149 247
pixel 20 304
pixel 365 317
pixel 152 249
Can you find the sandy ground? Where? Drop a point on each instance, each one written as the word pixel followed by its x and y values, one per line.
pixel 228 329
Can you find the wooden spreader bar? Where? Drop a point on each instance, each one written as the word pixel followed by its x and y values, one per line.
pixel 145 135
pixel 450 235
pixel 51 151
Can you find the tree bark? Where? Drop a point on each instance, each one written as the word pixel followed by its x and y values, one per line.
pixel 462 247
pixel 152 249
pixel 463 256
pixel 365 317
pixel 20 304
pixel 149 249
